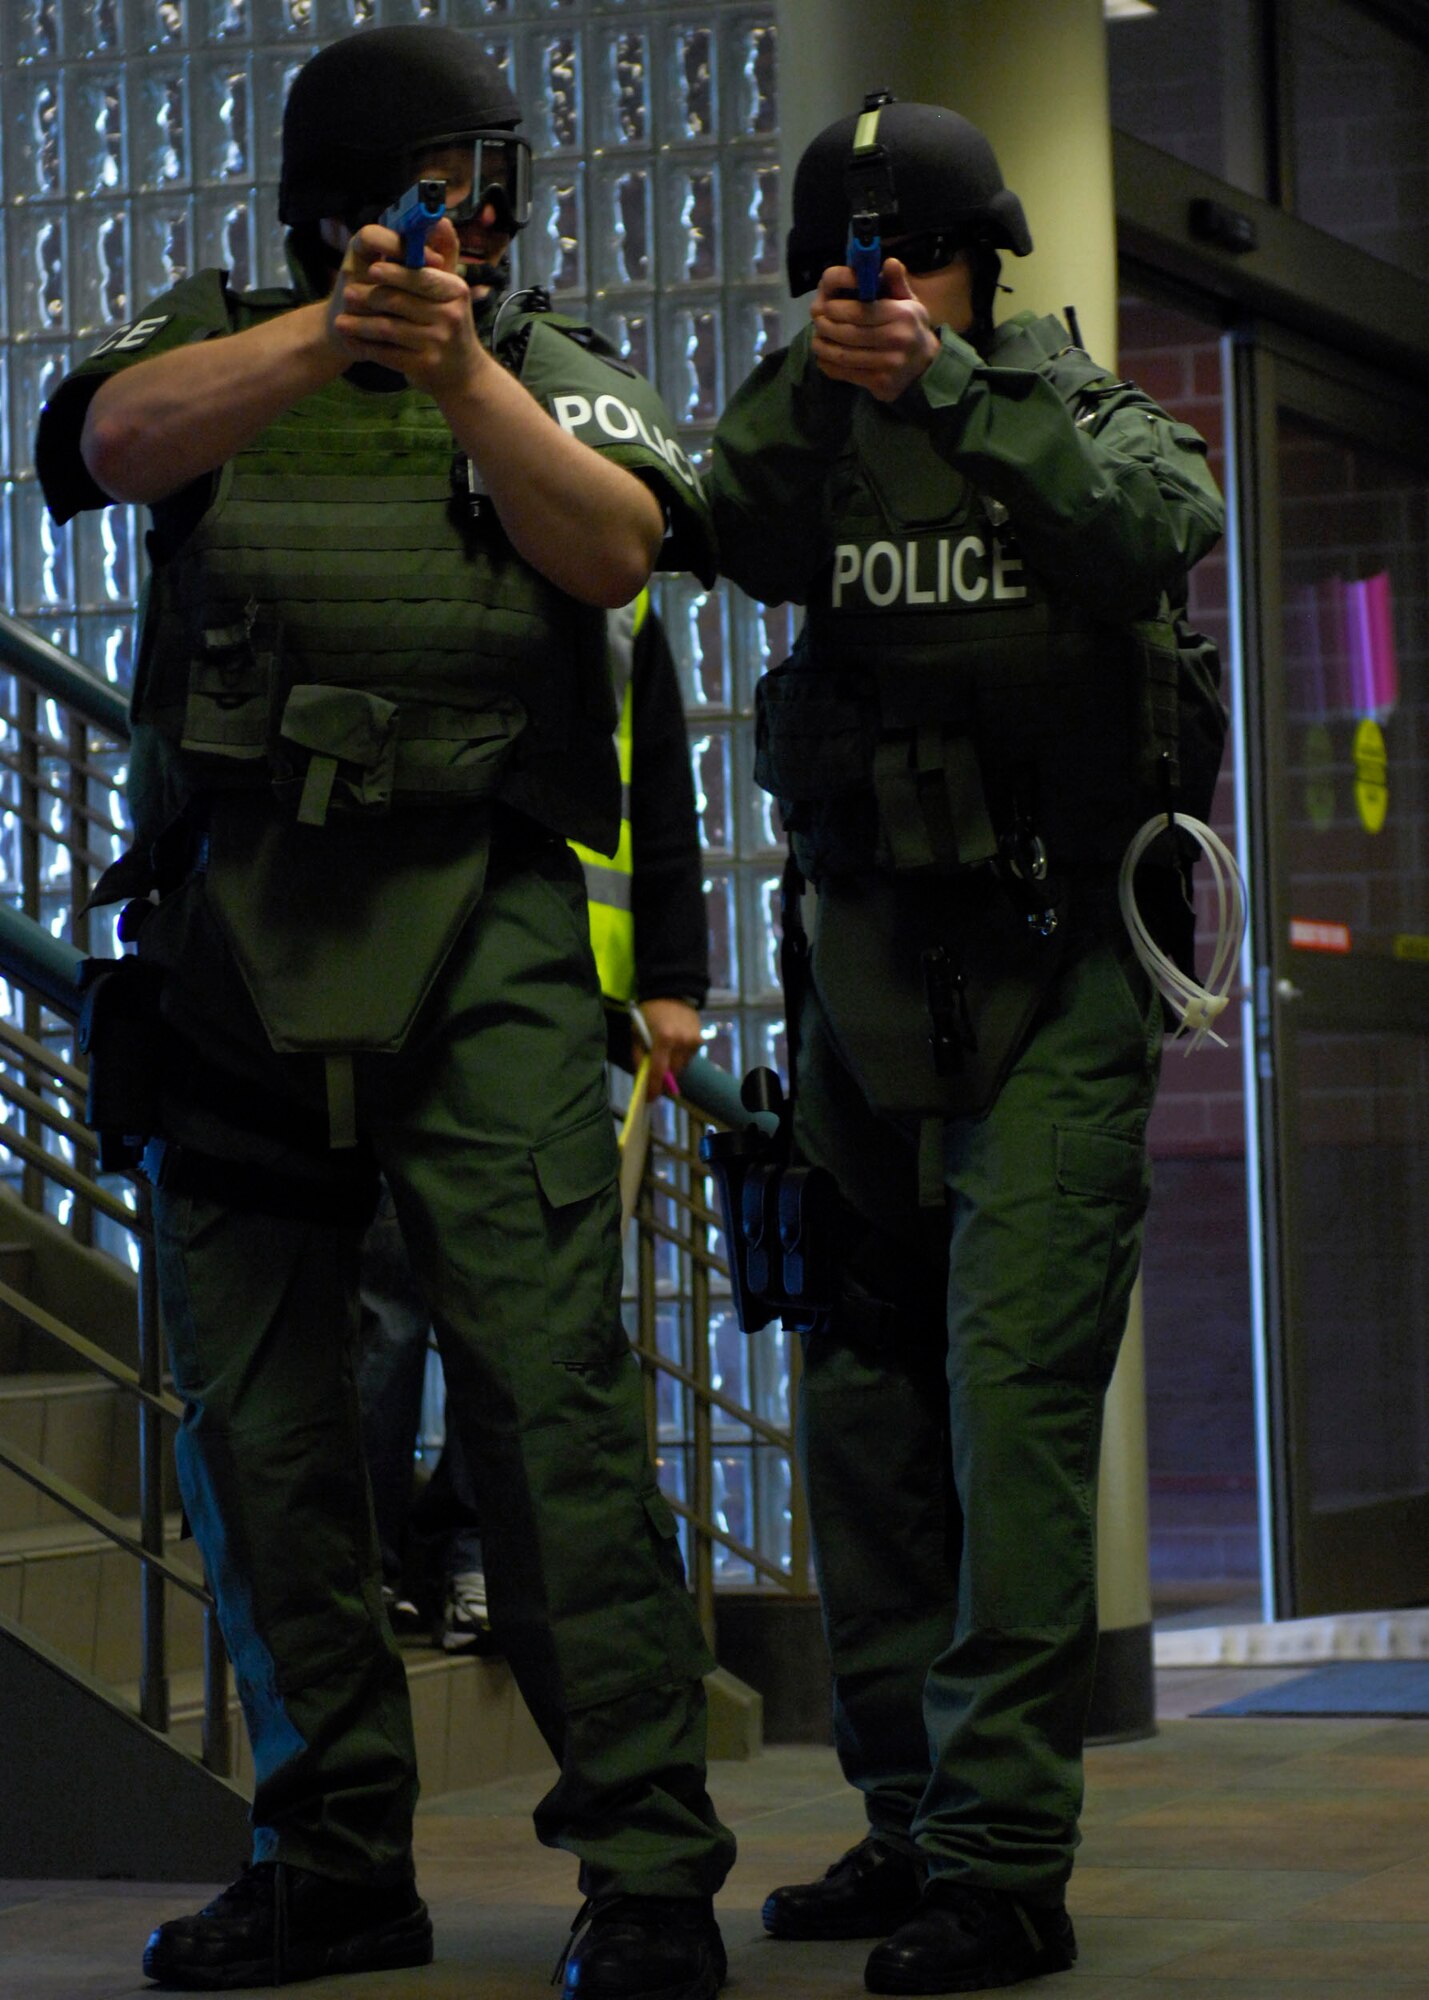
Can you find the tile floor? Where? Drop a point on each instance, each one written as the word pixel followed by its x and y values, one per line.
pixel 1238 1859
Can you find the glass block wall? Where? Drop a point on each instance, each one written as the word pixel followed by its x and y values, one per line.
pixel 141 141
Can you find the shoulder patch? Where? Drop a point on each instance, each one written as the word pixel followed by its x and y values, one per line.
pixel 129 338
pixel 610 419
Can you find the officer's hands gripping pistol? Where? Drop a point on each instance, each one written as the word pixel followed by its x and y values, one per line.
pixel 777 1217
pixel 414 216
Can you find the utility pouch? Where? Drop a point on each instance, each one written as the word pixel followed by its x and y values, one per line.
pixel 121 1032
pixel 930 987
pixel 813 733
pixel 932 808
pixel 336 751
pixel 1158 747
pixel 814 736
pixel 777 1216
pixel 232 693
pixel 452 753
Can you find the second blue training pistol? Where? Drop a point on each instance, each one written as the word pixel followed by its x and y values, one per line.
pixel 414 216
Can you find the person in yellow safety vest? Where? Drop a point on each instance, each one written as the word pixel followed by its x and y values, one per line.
pixel 608 876
pixel 647 919
pixel 650 940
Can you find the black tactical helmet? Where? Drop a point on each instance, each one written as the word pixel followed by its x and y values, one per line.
pixel 360 108
pixel 945 180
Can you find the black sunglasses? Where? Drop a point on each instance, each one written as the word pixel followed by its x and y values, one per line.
pixel 928 251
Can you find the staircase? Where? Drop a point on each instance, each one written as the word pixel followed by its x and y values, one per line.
pixel 105 1774
pixel 91 1790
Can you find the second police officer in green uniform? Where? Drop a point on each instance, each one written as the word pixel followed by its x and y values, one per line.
pixel 371 706
pixel 992 539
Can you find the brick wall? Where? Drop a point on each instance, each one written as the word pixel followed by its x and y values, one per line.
pixel 1165 72
pixel 1361 129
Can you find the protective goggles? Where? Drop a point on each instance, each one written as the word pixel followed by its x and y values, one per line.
pixel 500 175
pixel 928 251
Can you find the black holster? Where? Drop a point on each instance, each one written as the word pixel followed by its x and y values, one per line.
pixel 777 1216
pixel 121 1032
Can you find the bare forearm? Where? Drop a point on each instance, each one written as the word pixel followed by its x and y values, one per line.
pixel 588 525
pixel 153 428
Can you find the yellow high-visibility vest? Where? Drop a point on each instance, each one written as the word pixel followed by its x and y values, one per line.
pixel 608 876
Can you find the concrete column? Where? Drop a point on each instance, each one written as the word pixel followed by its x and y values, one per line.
pixel 1124 1697
pixel 1032 74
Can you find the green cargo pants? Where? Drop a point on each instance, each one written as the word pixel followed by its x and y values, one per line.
pixel 494 1131
pixel 950 1422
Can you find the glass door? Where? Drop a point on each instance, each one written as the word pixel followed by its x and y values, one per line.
pixel 1334 493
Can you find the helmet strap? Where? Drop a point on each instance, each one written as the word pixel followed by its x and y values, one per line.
pixel 986 272
pixel 496 277
pixel 313 262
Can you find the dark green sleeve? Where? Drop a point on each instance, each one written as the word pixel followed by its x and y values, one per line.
pixel 596 397
pixel 1111 499
pixel 773 452
pixel 193 310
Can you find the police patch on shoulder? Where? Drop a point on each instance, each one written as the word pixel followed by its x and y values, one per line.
pixel 128 339
pixel 611 418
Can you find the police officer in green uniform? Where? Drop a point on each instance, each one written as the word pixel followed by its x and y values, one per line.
pixel 371 706
pixel 992 690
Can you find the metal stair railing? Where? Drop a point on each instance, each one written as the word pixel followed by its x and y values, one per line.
pixel 676 1207
pixel 64 736
pixel 63 743
pixel 47 1090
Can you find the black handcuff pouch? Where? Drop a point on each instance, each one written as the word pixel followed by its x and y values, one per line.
pixel 777 1215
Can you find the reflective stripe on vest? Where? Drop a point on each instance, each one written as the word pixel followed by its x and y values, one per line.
pixel 608 876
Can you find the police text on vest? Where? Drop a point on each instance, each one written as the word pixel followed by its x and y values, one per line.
pixel 967 570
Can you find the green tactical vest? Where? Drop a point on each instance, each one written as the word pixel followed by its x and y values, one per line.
pixel 940 697
pixel 348 658
pixel 349 625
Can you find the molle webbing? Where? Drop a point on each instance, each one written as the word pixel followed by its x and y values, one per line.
pixel 342 523
pixel 340 625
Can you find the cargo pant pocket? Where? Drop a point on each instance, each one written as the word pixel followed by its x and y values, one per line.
pixel 1093 1237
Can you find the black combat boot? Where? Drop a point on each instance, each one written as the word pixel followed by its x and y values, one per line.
pixel 869 1892
pixel 965 1939
pixel 278 1924
pixel 645 1948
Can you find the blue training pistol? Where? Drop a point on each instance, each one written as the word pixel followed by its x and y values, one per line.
pixel 865 255
pixel 872 199
pixel 414 216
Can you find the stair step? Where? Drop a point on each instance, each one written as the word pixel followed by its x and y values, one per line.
pixel 79 1592
pixel 80 1426
pixel 470 1722
pixel 17 1263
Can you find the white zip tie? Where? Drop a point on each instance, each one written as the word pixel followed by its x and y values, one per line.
pixel 1196 1007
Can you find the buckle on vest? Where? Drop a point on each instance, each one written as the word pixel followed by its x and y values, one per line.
pixel 1023 866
